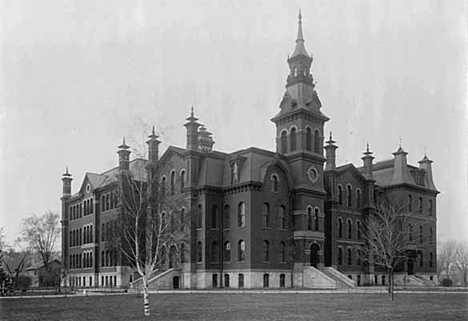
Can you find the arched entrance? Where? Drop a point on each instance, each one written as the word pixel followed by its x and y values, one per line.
pixel 314 259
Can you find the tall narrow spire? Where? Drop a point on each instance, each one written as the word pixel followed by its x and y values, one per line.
pixel 300 49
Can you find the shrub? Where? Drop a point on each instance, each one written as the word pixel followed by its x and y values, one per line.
pixel 23 282
pixel 446 282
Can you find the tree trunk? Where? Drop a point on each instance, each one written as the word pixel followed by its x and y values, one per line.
pixel 146 304
pixel 391 284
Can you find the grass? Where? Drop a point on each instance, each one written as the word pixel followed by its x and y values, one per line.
pixel 249 306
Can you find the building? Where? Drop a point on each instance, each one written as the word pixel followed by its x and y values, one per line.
pixel 39 275
pixel 284 218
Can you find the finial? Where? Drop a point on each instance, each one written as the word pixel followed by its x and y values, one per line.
pixel 300 16
pixel 330 130
pixel 123 141
pixel 153 131
pixel 367 148
pixel 123 146
pixel 66 170
pixel 425 151
pixel 191 113
pixel 400 141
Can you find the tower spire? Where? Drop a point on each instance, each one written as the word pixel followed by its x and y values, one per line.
pixel 300 49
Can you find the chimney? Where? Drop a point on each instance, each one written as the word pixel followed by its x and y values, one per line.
pixel 367 162
pixel 330 153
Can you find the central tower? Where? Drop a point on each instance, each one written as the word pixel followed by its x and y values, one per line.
pixel 299 137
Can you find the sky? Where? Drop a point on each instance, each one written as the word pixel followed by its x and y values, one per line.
pixel 77 76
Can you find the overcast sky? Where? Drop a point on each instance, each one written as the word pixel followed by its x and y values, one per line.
pixel 75 76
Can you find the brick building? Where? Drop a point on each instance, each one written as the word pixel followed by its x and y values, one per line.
pixel 284 218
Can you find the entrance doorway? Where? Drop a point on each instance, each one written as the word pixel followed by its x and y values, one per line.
pixel 314 260
pixel 410 266
pixel 175 282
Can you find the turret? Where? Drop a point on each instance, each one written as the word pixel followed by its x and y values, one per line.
pixel 192 132
pixel 153 147
pixel 124 157
pixel 367 162
pixel 330 153
pixel 400 167
pixel 66 184
pixel 426 164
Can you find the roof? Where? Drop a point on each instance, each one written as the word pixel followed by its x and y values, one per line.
pixel 40 264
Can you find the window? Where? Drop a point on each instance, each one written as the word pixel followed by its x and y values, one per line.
pixel 349 196
pixel 420 205
pixel 309 139
pixel 284 142
pixel 199 251
pixel 292 139
pixel 103 203
pixel 182 219
pixel 340 195
pixel 282 280
pixel 431 259
pixel 420 235
pixel 350 257
pixel 241 215
pixel 410 232
pixel 431 235
pixel 350 229
pixel 430 207
pixel 358 230
pixel 241 280
pixel 410 203
pixel 107 202
pixel 340 256
pixel 227 217
pixel 215 280
pixel 274 180
pixel 420 257
pixel 282 253
pixel 309 218
pixel 173 182
pixel 340 228
pixel 227 252
pixel 241 251
pixel 295 71
pixel 91 211
pixel 266 251
pixel 358 198
pixel 282 222
pixel 163 185
pixel 383 279
pixel 316 219
pixel 266 280
pixel 317 147
pixel 199 217
pixel 214 252
pixel 226 280
pixel 182 180
pixel 214 216
pixel 266 215
pixel 358 258
pixel 182 252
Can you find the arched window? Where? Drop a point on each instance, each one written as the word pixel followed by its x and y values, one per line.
pixel 292 139
pixel 431 235
pixel 430 207
pixel 294 72
pixel 317 145
pixel 421 260
pixel 284 142
pixel 214 252
pixel 112 196
pixel 107 202
pixel 199 251
pixel 240 279
pixel 340 228
pixel 410 203
pixel 350 197
pixel 80 240
pixel 309 139
pixel 163 186
pixel 350 257
pixel 266 215
pixel 282 253
pixel 274 183
pixel 91 211
pixel 350 229
pixel 358 198
pixel 90 234
pixel 420 205
pixel 199 217
pixel 358 257
pixel 340 195
pixel 266 280
pixel 316 219
pixel 420 234
pixel 241 251
pixel 214 216
pixel 358 229
pixel 173 182
pixel 266 251
pixel 309 218
pixel 102 259
pixel 182 219
pixel 103 233
pixel 241 215
pixel 282 222
pixel 182 180
pixel 227 252
pixel 182 252
pixel 410 232
pixel 431 259
pixel 227 217
pixel 340 256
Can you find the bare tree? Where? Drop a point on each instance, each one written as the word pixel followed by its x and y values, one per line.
pixel 461 260
pixel 16 259
pixel 445 258
pixel 151 224
pixel 388 242
pixel 41 233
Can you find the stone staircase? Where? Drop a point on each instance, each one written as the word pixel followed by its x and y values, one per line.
pixel 342 281
pixel 159 280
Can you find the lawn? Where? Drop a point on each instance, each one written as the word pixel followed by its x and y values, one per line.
pixel 249 306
